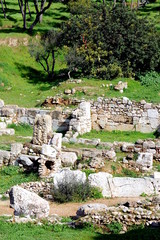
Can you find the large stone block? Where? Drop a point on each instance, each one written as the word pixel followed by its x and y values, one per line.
pixel 28 203
pixel 100 180
pixel 130 187
pixel 145 160
pixel 68 159
pixel 67 176
pixel 49 151
pixel 42 129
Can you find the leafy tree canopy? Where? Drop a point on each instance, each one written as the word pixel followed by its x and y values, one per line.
pixel 110 42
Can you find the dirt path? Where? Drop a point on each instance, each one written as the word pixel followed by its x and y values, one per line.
pixel 68 209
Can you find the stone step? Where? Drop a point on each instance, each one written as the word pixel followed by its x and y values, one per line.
pixel 7 131
pixel 3 125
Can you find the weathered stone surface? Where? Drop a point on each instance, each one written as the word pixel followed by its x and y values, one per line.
pixel 25 161
pixel 3 125
pixel 16 148
pixel 81 119
pixel 145 160
pixel 128 147
pixel 130 187
pixel 4 157
pixel 42 129
pixel 156 175
pixel 111 155
pixel 27 203
pixel 57 140
pixel 100 180
pixel 1 103
pixel 68 176
pixel 7 131
pixel 96 163
pixel 92 208
pixel 68 159
pixel 49 151
pixel 121 85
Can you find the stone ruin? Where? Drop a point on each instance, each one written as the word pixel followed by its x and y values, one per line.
pixel 80 122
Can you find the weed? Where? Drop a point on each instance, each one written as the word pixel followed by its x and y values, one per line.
pixel 114 227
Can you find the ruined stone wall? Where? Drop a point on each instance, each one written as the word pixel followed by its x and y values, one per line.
pixel 125 115
pixel 108 114
pixel 13 113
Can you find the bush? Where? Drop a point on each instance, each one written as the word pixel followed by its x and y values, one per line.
pixel 114 227
pixel 150 79
pixel 74 191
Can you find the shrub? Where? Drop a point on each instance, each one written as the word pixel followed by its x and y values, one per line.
pixel 69 191
pixel 150 79
pixel 114 227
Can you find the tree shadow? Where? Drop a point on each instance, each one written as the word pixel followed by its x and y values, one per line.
pixel 34 76
pixel 157 132
pixel 149 233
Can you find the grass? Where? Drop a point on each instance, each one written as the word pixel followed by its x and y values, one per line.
pixel 12 26
pixel 125 136
pixel 23 132
pixel 31 231
pixel 12 175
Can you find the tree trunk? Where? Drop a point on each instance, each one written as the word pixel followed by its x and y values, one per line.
pixel 38 16
pixel 24 15
pixel 4 13
pixel 42 6
pixel 20 2
pixel 28 9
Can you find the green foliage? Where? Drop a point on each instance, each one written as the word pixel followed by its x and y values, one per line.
pixel 143 194
pixel 88 171
pixel 70 191
pixel 129 173
pixel 158 168
pixel 114 227
pixel 12 175
pixel 111 42
pixel 113 169
pixel 150 79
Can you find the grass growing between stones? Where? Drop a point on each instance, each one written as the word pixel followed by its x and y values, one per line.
pixel 23 133
pixel 125 136
pixel 13 175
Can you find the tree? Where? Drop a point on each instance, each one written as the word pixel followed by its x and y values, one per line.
pixel 44 49
pixel 111 42
pixel 40 7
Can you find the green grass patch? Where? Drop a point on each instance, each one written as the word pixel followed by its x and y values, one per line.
pixel 120 136
pixel 12 175
pixel 31 231
pixel 22 129
pixel 23 133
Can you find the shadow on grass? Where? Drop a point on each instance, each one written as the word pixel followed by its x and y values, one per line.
pixel 34 76
pixel 138 234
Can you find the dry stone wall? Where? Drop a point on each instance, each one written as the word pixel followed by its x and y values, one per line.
pixel 125 115
pixel 13 113
pixel 108 114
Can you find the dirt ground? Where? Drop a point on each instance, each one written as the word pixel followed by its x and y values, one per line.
pixel 68 209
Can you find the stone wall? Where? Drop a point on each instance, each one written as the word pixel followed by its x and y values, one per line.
pixel 108 114
pixel 125 115
pixel 13 113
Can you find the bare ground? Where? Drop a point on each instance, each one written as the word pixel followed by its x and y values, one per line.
pixel 68 209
